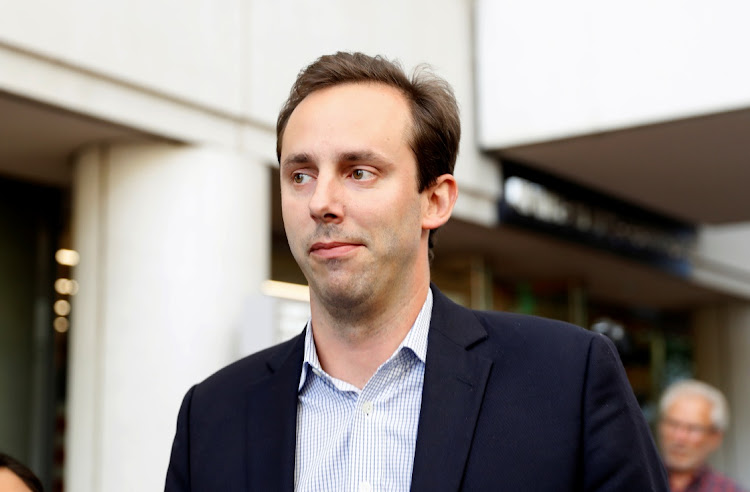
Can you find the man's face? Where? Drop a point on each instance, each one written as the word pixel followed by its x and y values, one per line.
pixel 351 209
pixel 686 433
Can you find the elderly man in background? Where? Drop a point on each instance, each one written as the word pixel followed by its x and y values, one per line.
pixel 694 417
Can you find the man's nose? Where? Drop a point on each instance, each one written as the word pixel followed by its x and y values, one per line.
pixel 326 201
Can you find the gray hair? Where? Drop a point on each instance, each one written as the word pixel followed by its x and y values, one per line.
pixel 719 407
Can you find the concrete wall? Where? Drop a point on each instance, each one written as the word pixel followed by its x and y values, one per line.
pixel 190 49
pixel 720 258
pixel 551 69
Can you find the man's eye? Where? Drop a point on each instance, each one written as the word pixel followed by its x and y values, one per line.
pixel 300 178
pixel 361 174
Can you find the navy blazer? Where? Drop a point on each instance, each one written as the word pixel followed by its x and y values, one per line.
pixel 510 402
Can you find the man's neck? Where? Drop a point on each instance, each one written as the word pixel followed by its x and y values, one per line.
pixel 353 350
pixel 679 480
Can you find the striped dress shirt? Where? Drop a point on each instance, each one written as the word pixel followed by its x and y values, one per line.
pixel 361 440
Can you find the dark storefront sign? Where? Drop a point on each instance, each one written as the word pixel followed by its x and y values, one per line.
pixel 542 202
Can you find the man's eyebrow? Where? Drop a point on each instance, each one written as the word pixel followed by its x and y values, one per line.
pixel 350 156
pixel 300 158
pixel 362 156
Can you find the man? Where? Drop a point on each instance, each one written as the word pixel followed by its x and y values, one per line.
pixel 694 417
pixel 391 386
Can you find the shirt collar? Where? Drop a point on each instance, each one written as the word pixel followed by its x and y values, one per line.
pixel 415 340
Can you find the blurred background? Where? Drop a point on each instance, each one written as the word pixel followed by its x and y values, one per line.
pixel 603 180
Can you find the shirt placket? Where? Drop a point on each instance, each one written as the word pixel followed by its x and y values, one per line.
pixel 364 453
pixel 369 427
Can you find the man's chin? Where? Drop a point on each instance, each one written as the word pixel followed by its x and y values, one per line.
pixel 680 465
pixel 341 294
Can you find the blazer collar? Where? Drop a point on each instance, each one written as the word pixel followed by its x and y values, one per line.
pixel 454 384
pixel 272 421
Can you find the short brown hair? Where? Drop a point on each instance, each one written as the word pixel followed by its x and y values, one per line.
pixel 436 128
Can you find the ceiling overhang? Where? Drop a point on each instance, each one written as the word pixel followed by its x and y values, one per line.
pixel 695 169
pixel 38 140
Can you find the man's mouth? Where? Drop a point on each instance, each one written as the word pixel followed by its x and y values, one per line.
pixel 333 249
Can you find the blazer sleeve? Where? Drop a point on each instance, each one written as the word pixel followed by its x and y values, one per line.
pixel 618 451
pixel 178 473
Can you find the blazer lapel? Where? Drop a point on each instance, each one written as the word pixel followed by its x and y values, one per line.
pixel 272 422
pixel 454 384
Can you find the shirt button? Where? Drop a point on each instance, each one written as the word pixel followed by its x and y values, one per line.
pixel 367 408
pixel 365 487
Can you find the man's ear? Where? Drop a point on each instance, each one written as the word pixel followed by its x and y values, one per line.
pixel 439 200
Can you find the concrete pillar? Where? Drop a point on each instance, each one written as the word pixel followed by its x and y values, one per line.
pixel 174 244
pixel 722 357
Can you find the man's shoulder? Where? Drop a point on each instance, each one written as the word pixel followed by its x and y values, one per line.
pixel 509 326
pixel 508 321
pixel 520 332
pixel 713 480
pixel 534 334
pixel 503 320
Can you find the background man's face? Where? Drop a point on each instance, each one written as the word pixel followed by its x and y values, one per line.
pixel 686 433
pixel 351 209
